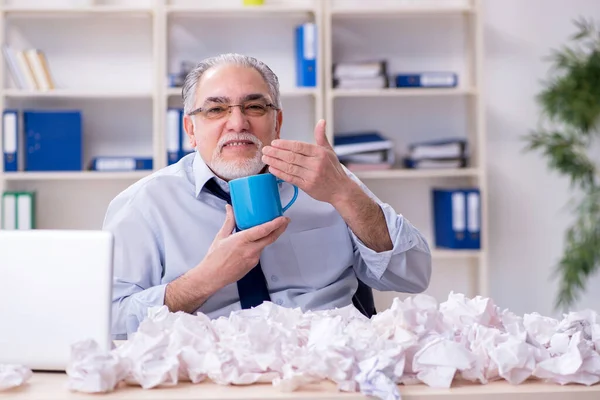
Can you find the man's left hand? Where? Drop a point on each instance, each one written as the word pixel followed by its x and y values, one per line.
pixel 314 168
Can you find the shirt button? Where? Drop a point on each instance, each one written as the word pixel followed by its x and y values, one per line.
pixel 274 278
pixel 279 302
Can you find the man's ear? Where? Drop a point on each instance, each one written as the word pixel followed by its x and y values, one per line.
pixel 278 122
pixel 188 126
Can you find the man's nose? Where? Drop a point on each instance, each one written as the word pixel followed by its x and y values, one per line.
pixel 236 120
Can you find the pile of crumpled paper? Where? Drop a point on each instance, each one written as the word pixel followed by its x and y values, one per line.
pixel 415 340
pixel 13 375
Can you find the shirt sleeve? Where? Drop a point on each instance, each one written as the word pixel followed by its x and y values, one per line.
pixel 406 267
pixel 137 268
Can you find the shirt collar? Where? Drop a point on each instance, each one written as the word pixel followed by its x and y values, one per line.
pixel 202 174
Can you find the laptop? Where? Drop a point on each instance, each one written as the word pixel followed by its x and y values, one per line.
pixel 55 290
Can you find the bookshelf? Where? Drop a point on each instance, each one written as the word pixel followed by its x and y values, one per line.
pixel 121 88
pixel 433 36
pixel 392 92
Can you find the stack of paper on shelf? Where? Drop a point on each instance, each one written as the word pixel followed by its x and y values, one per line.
pixel 445 153
pixel 176 79
pixel 361 151
pixel 28 69
pixel 360 75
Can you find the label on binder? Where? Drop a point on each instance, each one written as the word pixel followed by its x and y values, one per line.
pixel 115 164
pixel 24 211
pixel 310 51
pixel 473 212
pixel 10 133
pixel 9 211
pixel 458 213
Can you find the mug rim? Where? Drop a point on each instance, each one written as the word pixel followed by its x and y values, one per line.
pixel 252 176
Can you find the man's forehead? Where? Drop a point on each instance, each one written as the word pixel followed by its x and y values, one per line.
pixel 231 76
pixel 224 98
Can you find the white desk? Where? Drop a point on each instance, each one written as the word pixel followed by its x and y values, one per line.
pixel 45 386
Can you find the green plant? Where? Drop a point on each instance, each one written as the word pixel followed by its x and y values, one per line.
pixel 570 101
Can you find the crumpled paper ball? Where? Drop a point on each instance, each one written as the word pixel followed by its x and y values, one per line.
pixel 415 341
pixel 12 376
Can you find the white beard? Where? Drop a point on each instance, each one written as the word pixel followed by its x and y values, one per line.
pixel 239 168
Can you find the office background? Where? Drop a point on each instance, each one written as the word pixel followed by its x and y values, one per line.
pixel 116 63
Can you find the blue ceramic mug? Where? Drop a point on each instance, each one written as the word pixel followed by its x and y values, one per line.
pixel 255 199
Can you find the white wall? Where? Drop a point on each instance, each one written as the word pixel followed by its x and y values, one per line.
pixel 527 201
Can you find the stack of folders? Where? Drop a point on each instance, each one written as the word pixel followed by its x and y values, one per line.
pixel 306 54
pixel 177 142
pixel 28 69
pixel 435 79
pixel 51 140
pixel 360 75
pixel 363 151
pixel 457 218
pixel 176 79
pixel 445 153
pixel 18 210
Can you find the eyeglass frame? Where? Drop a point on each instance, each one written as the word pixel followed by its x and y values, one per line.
pixel 230 106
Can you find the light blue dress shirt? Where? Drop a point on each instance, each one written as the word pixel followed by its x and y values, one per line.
pixel 164 224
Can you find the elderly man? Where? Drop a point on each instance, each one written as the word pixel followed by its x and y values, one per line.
pixel 175 237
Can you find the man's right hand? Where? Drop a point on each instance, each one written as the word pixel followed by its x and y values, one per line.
pixel 233 255
pixel 229 258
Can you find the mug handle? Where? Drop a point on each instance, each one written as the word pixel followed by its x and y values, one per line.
pixel 293 198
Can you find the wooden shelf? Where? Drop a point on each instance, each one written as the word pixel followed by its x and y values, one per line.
pixel 403 92
pixel 417 173
pixel 399 11
pixel 76 94
pixel 75 175
pixel 53 11
pixel 242 11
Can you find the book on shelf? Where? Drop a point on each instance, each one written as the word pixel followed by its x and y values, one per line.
pixel 177 142
pixel 120 164
pixel 359 167
pixel 442 153
pixel 435 79
pixel 435 163
pixel 363 151
pixel 375 82
pixel 360 69
pixel 365 157
pixel 361 75
pixel 10 140
pixel 177 78
pixel 17 210
pixel 28 68
pixel 53 140
pixel 457 218
pixel 306 42
pixel 441 148
pixel 359 142
pixel 370 160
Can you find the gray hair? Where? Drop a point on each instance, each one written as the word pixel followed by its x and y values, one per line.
pixel 192 79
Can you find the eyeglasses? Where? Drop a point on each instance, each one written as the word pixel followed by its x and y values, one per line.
pixel 249 108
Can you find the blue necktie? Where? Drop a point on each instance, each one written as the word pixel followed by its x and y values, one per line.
pixel 252 288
